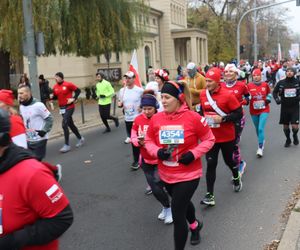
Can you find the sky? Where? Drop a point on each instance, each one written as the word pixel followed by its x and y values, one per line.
pixel 294 15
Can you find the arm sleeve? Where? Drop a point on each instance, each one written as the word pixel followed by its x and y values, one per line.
pixel 47 116
pixel 206 137
pixel 110 90
pixel 77 93
pixel 150 144
pixel 134 135
pixel 234 115
pixel 275 92
pixel 43 231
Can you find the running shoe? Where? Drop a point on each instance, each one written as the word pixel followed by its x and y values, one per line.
pixel 116 120
pixel 80 142
pixel 260 152
pixel 135 166
pixel 127 140
pixel 288 143
pixel 106 131
pixel 58 174
pixel 209 200
pixel 148 190
pixel 296 140
pixel 237 184
pixel 168 216
pixel 242 167
pixel 195 234
pixel 65 148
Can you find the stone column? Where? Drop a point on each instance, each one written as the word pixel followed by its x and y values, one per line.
pixel 194 55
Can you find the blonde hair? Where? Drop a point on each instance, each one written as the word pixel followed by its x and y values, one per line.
pixel 187 93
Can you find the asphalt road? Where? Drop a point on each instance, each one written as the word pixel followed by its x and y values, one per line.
pixel 112 211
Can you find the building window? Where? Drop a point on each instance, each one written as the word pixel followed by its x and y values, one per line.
pixel 154 21
pixel 117 57
pixel 147 20
pixel 98 59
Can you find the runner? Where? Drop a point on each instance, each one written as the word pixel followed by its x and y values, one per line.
pixel 221 110
pixel 259 107
pixel 17 132
pixel 34 210
pixel 173 136
pixel 105 92
pixel 240 90
pixel 63 91
pixel 287 93
pixel 37 120
pixel 129 99
pixel 149 105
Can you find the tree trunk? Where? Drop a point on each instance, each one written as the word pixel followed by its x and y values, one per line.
pixel 4 70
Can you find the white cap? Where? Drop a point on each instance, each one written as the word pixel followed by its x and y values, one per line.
pixel 222 64
pixel 231 67
pixel 130 74
pixel 191 65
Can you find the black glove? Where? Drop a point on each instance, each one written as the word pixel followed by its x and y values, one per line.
pixel 267 102
pixel 186 158
pixel 102 96
pixel 278 101
pixel 163 154
pixel 41 133
pixel 6 242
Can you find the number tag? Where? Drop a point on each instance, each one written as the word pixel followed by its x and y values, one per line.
pixel 62 111
pixel 31 134
pixel 171 135
pixel 259 104
pixel 289 93
pixel 211 122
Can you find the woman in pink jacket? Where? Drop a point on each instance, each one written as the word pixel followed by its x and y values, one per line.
pixel 173 137
pixel 149 106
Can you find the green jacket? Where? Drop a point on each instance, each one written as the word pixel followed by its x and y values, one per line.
pixel 104 88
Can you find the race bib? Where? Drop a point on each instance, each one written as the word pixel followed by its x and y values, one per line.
pixel 259 104
pixel 62 111
pixel 171 134
pixel 129 110
pixel 210 121
pixel 289 93
pixel 198 108
pixel 31 134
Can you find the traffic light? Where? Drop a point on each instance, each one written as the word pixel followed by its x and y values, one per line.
pixel 242 48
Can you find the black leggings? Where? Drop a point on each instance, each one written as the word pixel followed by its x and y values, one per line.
pixel 67 123
pixel 104 111
pixel 182 209
pixel 227 149
pixel 135 150
pixel 157 186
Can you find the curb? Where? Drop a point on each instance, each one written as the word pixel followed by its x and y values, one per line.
pixel 291 236
pixel 81 127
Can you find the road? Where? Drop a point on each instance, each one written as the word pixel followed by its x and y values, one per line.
pixel 112 211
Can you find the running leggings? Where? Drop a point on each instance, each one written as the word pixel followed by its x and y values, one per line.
pixel 155 183
pixel 227 149
pixel 239 126
pixel 182 209
pixel 135 150
pixel 259 122
pixel 104 111
pixel 67 123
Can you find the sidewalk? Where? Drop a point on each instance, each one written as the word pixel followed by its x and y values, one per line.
pixel 91 117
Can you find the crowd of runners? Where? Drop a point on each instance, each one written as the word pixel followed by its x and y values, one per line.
pixel 170 125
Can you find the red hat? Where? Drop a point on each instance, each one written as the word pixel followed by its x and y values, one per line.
pixel 256 72
pixel 7 97
pixel 214 74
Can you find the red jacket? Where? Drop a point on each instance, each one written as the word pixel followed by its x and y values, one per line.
pixel 194 128
pixel 227 102
pixel 258 99
pixel 239 89
pixel 139 128
pixel 63 92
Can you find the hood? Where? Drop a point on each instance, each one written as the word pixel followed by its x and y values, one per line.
pixel 178 113
pixel 13 155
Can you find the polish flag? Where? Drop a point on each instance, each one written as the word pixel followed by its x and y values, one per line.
pixel 135 69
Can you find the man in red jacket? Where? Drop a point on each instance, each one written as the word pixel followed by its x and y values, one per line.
pixel 221 110
pixel 34 211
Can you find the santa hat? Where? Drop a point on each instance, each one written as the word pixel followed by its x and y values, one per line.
pixel 231 67
pixel 7 97
pixel 163 74
pixel 214 74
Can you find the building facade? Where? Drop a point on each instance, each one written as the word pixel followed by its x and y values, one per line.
pixel 167 42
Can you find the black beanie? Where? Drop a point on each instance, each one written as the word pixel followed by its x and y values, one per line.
pixel 60 74
pixel 169 88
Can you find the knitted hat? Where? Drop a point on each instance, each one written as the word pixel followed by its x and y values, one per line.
pixel 191 65
pixel 163 74
pixel 60 74
pixel 231 67
pixel 256 72
pixel 7 97
pixel 149 100
pixel 214 74
pixel 169 88
pixel 291 69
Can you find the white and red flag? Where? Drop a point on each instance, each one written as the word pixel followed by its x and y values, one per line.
pixel 135 69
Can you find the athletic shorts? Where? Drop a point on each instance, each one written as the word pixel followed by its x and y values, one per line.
pixel 289 116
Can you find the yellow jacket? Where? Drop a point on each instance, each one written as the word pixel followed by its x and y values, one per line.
pixel 196 84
